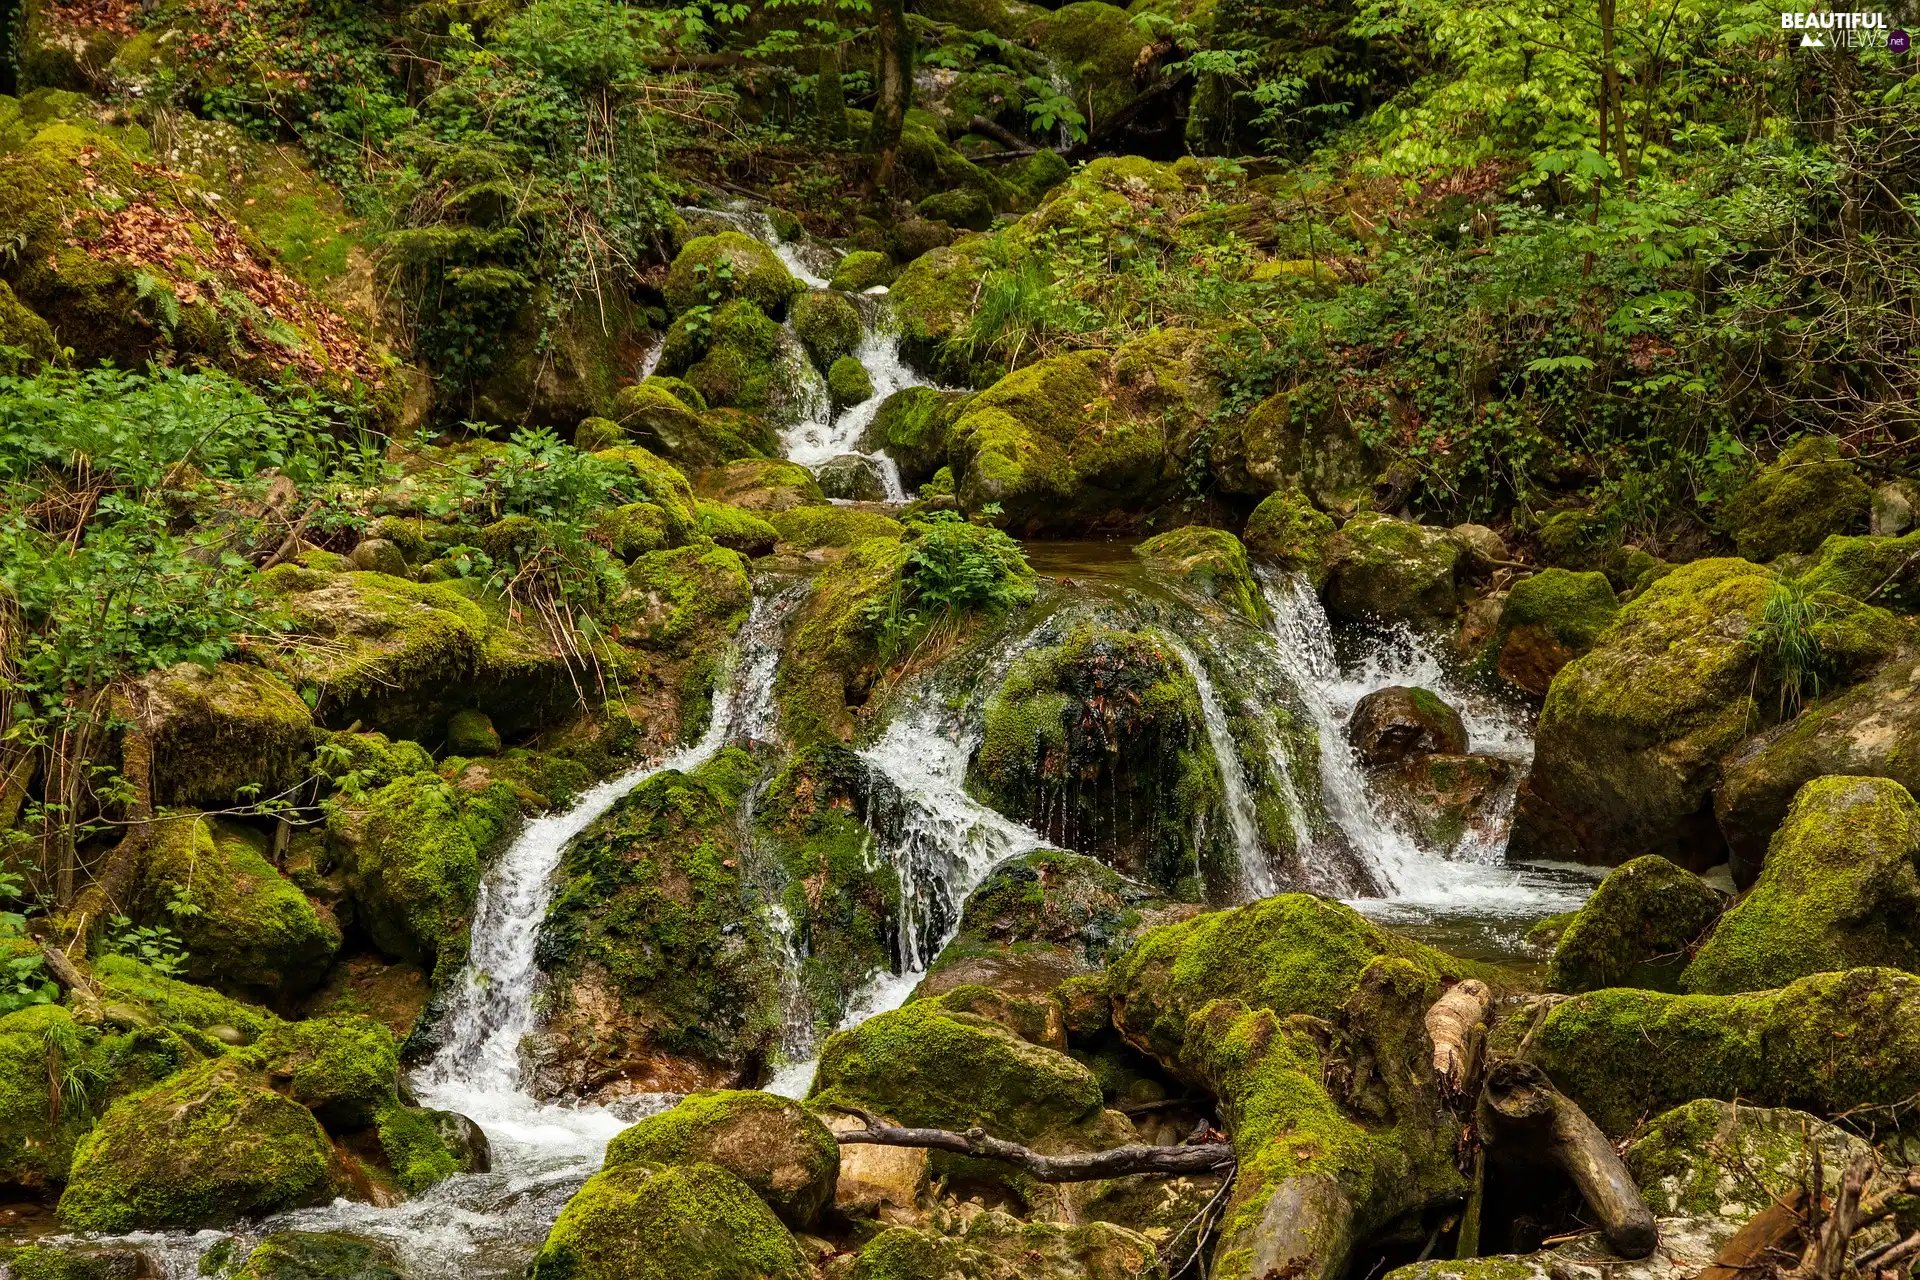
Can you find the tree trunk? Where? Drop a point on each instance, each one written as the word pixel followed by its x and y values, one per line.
pixel 895 89
pixel 109 888
pixel 829 97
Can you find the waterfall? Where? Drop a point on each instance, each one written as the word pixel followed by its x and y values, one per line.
pixel 822 435
pixel 1256 874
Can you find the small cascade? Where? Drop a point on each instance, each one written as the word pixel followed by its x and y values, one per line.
pixel 752 219
pixel 1256 872
pixel 826 435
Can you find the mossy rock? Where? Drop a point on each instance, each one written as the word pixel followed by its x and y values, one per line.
pixel 23 329
pixel 245 925
pixel 654 414
pixel 765 486
pixel 1385 570
pixel 1549 619
pixel 1283 444
pixel 685 598
pixel 341 1068
pixel 1102 736
pixel 1400 722
pixel 742 367
pixel 1637 930
pixel 634 529
pixel 656 958
pixel 1445 799
pixel 809 528
pixel 1877 570
pixel 966 208
pixel 831 660
pixel 912 426
pixel 737 530
pixel 843 900
pixel 1831 1044
pixel 861 270
pixel 210 1146
pixel 1714 1159
pixel 216 730
pixel 827 325
pixel 1097 48
pixel 1288 531
pixel 932 301
pixel 1795 502
pixel 557 361
pixel 1578 539
pixel 411 854
pixel 711 270
pixel 1840 890
pixel 995 1245
pixel 689 1222
pixel 666 485
pixel 320 1255
pixel 772 1144
pixel 124 980
pixel 471 733
pixel 848 383
pixel 1212 562
pixel 853 477
pixel 38 1133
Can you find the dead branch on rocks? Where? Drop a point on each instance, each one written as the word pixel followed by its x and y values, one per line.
pixel 1089 1166
pixel 1457 1025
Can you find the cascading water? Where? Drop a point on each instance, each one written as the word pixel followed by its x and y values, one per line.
pixel 1256 872
pixel 824 435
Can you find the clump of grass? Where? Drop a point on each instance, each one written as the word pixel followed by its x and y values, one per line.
pixel 1786 644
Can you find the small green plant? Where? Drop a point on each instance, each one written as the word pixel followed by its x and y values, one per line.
pixel 953 568
pixel 1786 644
pixel 156 946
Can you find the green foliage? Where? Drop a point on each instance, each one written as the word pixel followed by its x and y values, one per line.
pixel 156 946
pixel 1786 644
pixel 953 568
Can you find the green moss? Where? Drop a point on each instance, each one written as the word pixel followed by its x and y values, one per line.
pixel 1713 1159
pixel 737 530
pixel 911 427
pixel 1287 530
pixel 38 1130
pixel 1867 569
pixel 860 271
pixel 772 1144
pixel 827 325
pixel 764 486
pixel 319 1255
pixel 1573 608
pixel 415 1147
pixel 1838 891
pixel 671 417
pixel 341 1068
pixel 633 530
pixel 1212 562
pixel 1636 931
pixel 741 368
pixel 1096 47
pixel 848 382
pixel 932 301
pixel 685 598
pixel 245 925
pixel 595 434
pixel 924 1065
pixel 666 486
pixel 170 1000
pixel 1054 897
pixel 1795 502
pixel 966 208
pixel 205 1148
pixel 830 660
pixel 471 733
pixel 1102 735
pixel 22 328
pixel 216 730
pixel 807 528
pixel 651 898
pixel 641 1222
pixel 711 270
pixel 376 759
pixel 1391 570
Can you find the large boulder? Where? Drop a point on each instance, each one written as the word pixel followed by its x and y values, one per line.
pixel 827 325
pixel 765 486
pixel 1380 569
pixel 712 270
pixel 655 414
pixel 1283 443
pixel 1549 619
pixel 852 477
pixel 1840 890
pixel 663 979
pixel 1393 724
pixel 217 729
pixel 997 1246
pixel 320 1255
pixel 209 1146
pixel 1211 562
pixel 1717 1159
pixel 245 925
pixel 1796 501
pixel 1637 930
pixel 1447 800
pixel 772 1144
pixel 1287 530
pixel 1090 739
pixel 684 599
pixel 1099 51
pixel 688 1222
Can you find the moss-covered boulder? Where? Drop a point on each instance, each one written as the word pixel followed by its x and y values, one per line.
pixel 207 1147
pixel 851 477
pixel 1632 734
pixel 1882 571
pixel 1715 1159
pixel 1385 570
pixel 1284 444
pixel 1448 800
pixel 664 979
pixel 1398 722
pixel 1798 500
pixel 843 900
pixel 655 416
pixel 666 487
pixel 1549 619
pixel 1637 930
pixel 1840 890
pixel 998 1246
pixel 1098 49
pixel 646 1222
pixel 320 1255
pixel 827 325
pixel 39 1128
pixel 932 301
pixel 245 925
pixel 861 270
pixel 1288 531
pixel 773 1144
pixel 762 486
pixel 216 730
pixel 848 383
pixel 711 270
pixel 410 852
pixel 911 426
pixel 742 367
pixel 23 330
pixel 1099 742
pixel 1830 1044
pixel 686 598
pixel 810 528
pixel 1213 563
pixel 831 658
pixel 737 530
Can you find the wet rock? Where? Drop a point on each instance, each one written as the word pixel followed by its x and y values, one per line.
pixel 1482 550
pixel 861 270
pixel 1392 724
pixel 1271 450
pixel 645 1222
pixel 737 530
pixel 377 555
pixel 1385 570
pixel 1797 500
pixel 711 270
pixel 1726 1161
pixel 1213 563
pixel 772 1144
pixel 878 1181
pixel 1637 930
pixel 852 476
pixel 848 383
pixel 320 1255
pixel 1549 619
pixel 1447 799
pixel 827 325
pixel 471 733
pixel 672 418
pixel 82 1262
pixel 685 599
pixel 911 427
pixel 1286 530
pixel 1840 890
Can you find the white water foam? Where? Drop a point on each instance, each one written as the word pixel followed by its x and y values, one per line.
pixel 1256 872
pixel 822 435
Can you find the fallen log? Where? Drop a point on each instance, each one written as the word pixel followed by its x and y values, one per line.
pixel 1773 1228
pixel 1523 1119
pixel 67 976
pixel 1089 1166
pixel 1457 1025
